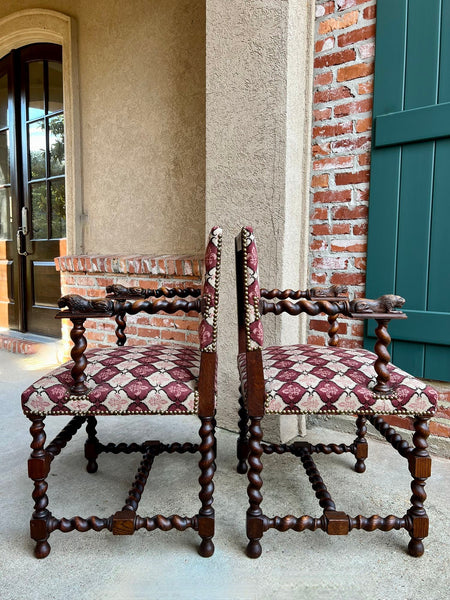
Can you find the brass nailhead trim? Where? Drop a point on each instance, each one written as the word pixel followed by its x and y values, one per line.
pixel 216 290
pixel 117 412
pixel 245 236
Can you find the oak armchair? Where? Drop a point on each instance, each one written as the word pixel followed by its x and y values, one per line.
pixel 164 379
pixel 307 379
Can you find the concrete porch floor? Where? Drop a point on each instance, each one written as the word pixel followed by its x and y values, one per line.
pixel 308 565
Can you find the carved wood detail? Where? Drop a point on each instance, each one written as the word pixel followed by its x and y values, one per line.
pixel 77 306
pixel 383 340
pixel 360 444
pixel 390 434
pixel 333 331
pixel 135 493
pixel 207 468
pixel 383 304
pixel 417 514
pixel 78 357
pixel 255 521
pixel 331 302
pixel 38 468
pixel 334 291
pixel 317 483
pixel 64 437
pixel 336 522
pixel 120 291
pixel 91 445
pixel 121 323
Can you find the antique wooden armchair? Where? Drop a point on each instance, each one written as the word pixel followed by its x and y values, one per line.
pixel 306 379
pixel 163 379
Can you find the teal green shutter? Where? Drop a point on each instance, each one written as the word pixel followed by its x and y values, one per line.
pixel 409 210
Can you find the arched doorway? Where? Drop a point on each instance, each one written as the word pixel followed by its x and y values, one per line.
pixel 32 187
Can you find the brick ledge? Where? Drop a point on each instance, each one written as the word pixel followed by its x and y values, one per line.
pixel 166 265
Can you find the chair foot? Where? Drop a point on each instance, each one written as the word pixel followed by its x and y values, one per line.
pixel 206 548
pixel 242 467
pixel 42 549
pixel 92 466
pixel 415 547
pixel 254 549
pixel 360 466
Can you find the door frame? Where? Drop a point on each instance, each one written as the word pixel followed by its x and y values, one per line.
pixel 37 25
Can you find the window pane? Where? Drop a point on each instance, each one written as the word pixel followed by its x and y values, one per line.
pixel 35 90
pixel 56 140
pixel 38 193
pixel 4 214
pixel 58 203
pixel 4 101
pixel 55 87
pixel 4 157
pixel 36 148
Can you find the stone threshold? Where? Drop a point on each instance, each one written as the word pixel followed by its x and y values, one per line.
pixel 25 343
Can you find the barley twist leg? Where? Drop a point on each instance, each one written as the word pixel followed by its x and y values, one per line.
pixel 207 468
pixel 38 469
pixel 255 519
pixel 242 442
pixel 91 445
pixel 360 444
pixel 420 468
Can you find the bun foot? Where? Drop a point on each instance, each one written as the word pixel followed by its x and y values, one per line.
pixel 360 466
pixel 242 467
pixel 254 549
pixel 92 467
pixel 206 548
pixel 415 547
pixel 42 549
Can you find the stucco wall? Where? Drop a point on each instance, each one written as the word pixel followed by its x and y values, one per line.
pixel 259 76
pixel 142 115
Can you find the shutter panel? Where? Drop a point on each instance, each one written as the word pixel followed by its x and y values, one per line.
pixel 408 247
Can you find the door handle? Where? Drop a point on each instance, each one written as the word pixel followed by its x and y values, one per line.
pixel 25 220
pixel 19 243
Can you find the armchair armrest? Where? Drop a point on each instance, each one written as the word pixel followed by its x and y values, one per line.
pixel 120 292
pixel 77 306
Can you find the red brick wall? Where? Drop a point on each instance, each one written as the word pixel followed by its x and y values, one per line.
pixel 343 87
pixel 343 92
pixel 89 276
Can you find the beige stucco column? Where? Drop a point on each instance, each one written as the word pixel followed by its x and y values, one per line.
pixel 258 122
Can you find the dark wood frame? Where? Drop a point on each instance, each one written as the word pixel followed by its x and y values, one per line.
pixel 250 446
pixel 126 520
pixel 23 311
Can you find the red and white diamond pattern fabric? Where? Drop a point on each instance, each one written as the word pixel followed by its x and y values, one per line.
pixel 210 292
pixel 156 379
pixel 254 328
pixel 317 379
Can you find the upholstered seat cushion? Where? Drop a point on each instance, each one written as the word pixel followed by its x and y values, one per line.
pixel 316 379
pixel 156 379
